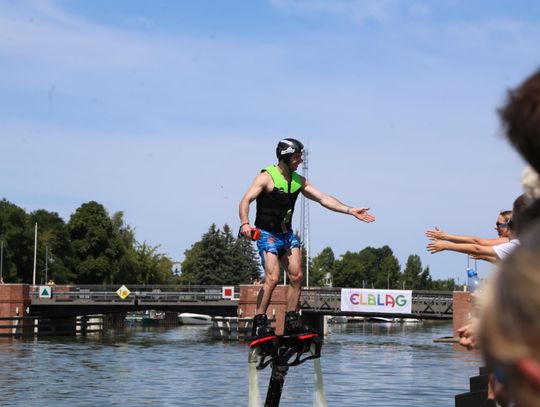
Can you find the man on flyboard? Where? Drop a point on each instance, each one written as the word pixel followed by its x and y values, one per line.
pixel 276 189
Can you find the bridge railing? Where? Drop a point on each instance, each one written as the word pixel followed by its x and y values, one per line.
pixel 142 293
pixel 435 304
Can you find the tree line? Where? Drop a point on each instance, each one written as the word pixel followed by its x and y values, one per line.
pixel 93 247
pixel 373 268
pixel 219 258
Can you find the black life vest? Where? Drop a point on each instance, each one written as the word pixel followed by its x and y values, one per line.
pixel 275 208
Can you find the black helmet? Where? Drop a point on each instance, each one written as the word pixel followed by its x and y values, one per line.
pixel 287 147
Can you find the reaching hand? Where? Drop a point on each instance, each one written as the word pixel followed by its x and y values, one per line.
pixel 436 233
pixel 467 336
pixel 436 246
pixel 362 214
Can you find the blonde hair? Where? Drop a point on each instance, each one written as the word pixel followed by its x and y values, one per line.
pixel 506 215
pixel 531 183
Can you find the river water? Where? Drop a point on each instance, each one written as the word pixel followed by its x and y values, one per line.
pixel 364 364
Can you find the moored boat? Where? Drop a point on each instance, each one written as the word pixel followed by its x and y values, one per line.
pixel 188 318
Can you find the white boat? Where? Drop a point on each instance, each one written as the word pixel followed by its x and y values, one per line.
pixel 188 318
pixel 410 321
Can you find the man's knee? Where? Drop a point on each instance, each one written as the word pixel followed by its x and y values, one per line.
pixel 271 281
pixel 295 279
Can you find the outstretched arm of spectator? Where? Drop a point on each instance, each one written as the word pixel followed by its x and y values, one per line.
pixel 467 335
pixel 440 234
pixel 437 246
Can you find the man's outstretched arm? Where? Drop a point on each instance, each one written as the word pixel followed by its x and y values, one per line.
pixel 329 202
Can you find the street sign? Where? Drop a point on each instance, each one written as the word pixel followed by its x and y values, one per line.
pixel 227 292
pixel 123 292
pixel 45 291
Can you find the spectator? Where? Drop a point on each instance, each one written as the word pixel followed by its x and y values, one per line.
pixel 501 226
pixel 509 333
pixel 490 253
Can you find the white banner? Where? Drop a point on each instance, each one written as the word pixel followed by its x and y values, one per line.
pixel 381 301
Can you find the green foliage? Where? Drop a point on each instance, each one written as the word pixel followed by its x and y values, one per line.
pixel 17 237
pixel 369 268
pixel 375 268
pixel 349 271
pixel 55 259
pixel 414 277
pixel 97 248
pixel 218 258
pixel 444 285
pixel 321 266
pixel 91 248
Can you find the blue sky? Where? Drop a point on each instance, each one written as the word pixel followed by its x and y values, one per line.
pixel 166 110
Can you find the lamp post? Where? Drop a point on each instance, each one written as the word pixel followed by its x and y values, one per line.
pixel 46 262
pixel 35 255
pixel 1 259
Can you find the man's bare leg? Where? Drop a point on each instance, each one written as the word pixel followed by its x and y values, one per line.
pixel 271 280
pixel 292 261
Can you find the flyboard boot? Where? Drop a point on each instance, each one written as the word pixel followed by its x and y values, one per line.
pixel 299 342
pixel 261 330
pixel 264 342
pixel 295 327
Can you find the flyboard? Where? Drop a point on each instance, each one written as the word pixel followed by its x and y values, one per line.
pixel 282 352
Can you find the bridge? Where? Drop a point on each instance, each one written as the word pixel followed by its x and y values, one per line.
pixel 26 310
pixel 68 301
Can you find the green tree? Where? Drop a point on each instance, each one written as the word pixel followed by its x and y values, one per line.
pixel 18 242
pixel 151 267
pixel 349 270
pixel 97 248
pixel 218 258
pixel 390 272
pixel 444 285
pixel 369 268
pixel 245 260
pixel 414 276
pixel 322 265
pixel 54 251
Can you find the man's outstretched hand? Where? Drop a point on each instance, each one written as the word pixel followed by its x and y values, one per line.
pixel 362 214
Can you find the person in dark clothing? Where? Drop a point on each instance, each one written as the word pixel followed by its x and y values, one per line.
pixel 276 189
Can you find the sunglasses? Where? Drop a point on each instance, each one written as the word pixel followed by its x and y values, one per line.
pixel 500 225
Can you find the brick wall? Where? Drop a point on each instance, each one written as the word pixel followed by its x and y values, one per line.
pixel 14 299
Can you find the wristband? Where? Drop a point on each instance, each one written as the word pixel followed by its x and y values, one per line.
pixel 247 223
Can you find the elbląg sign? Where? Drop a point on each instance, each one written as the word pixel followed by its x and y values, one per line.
pixel 380 301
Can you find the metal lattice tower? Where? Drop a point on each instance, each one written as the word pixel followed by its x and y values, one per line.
pixel 304 217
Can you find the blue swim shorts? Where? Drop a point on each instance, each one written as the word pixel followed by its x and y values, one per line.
pixel 277 243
